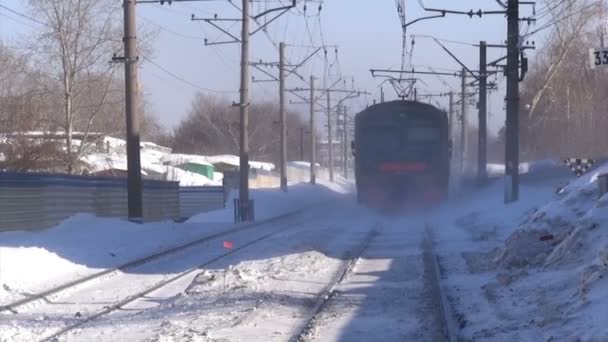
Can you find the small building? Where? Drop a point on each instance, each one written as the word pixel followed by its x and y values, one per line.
pixel 206 170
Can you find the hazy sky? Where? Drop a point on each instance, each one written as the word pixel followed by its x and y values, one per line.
pixel 367 33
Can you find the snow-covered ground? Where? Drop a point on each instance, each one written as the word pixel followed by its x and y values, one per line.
pixel 159 162
pixel 534 270
pixel 31 262
pixel 530 271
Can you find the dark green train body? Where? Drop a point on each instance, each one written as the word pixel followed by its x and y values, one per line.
pixel 402 155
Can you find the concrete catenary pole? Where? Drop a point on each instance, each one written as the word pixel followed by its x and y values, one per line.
pixel 283 158
pixel 313 144
pixel 134 181
pixel 463 122
pixel 330 143
pixel 483 108
pixel 345 145
pixel 451 116
pixel 244 113
pixel 512 125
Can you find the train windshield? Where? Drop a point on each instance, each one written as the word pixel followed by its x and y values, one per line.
pixel 382 139
pixel 422 135
pixel 388 142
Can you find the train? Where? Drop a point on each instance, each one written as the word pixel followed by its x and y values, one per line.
pixel 402 152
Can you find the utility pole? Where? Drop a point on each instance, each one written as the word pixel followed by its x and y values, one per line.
pixel 483 103
pixel 345 145
pixel 134 188
pixel 451 116
pixel 327 109
pixel 283 161
pixel 463 121
pixel 330 143
pixel 244 209
pixel 302 132
pixel 512 124
pixel 313 145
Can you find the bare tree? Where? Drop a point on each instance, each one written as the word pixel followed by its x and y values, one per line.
pixel 570 22
pixel 562 103
pixel 76 42
pixel 212 127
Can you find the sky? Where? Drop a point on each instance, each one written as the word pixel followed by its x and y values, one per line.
pixel 360 35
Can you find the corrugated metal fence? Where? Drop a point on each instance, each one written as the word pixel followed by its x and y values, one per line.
pixel 36 201
pixel 199 199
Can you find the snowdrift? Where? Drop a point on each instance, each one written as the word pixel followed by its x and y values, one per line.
pixel 563 246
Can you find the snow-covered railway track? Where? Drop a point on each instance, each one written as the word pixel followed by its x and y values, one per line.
pixel 394 293
pixel 445 327
pixel 325 296
pixel 48 294
pixel 89 299
pixel 140 294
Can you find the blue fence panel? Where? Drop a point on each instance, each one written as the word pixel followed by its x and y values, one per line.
pixel 42 200
pixel 199 199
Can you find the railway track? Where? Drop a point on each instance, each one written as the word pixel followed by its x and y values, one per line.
pixel 140 294
pixel 327 294
pixel 405 252
pixel 98 276
pixel 446 328
pixel 434 316
pixel 268 229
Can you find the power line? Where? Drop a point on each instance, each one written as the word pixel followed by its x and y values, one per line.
pixel 183 80
pixel 558 20
pixel 163 28
pixel 32 19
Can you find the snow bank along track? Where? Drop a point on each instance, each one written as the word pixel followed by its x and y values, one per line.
pixel 329 291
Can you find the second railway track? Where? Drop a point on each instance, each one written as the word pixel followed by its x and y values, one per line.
pixel 45 295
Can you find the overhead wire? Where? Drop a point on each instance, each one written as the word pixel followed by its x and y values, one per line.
pixel 32 19
pixel 182 79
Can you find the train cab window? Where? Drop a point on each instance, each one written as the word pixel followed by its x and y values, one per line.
pixel 381 138
pixel 423 135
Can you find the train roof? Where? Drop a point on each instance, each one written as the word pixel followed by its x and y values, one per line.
pixel 402 105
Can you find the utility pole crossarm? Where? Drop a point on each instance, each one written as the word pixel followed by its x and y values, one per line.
pixel 212 21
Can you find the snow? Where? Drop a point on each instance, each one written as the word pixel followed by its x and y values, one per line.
pixel 499 169
pixel 234 160
pixel 304 165
pixel 273 202
pixel 83 244
pixel 153 158
pixel 158 162
pixel 533 270
pixel 187 178
pixel 177 159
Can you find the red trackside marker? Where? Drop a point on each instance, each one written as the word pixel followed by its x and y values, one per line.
pixel 228 244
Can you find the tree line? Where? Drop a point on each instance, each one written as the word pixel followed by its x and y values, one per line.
pixel 212 127
pixel 563 101
pixel 59 79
